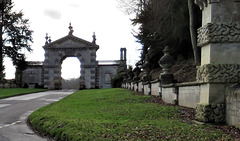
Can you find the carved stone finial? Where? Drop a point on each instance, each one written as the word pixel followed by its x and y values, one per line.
pixel 94 38
pixel 166 63
pixel 71 29
pixel 46 38
pixel 136 72
pixel 130 74
pixel 146 77
pixel 49 40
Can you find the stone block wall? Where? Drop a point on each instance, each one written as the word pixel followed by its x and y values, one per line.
pixel 169 95
pixel 233 106
pixel 140 87
pixel 184 94
pixel 155 89
pixel 147 89
pixel 189 96
pixel 132 86
pixel 135 87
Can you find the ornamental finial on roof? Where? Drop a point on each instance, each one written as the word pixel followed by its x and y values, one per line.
pixel 46 39
pixel 94 38
pixel 71 29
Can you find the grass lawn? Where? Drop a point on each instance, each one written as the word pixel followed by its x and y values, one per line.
pixel 116 114
pixel 4 93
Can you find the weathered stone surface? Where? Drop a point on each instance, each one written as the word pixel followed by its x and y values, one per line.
pixel 219 73
pixel 219 33
pixel 211 113
pixel 166 62
pixel 204 3
pixel 169 95
pixel 233 105
pixel 147 89
pixel 146 69
pixel 155 88
pixel 189 96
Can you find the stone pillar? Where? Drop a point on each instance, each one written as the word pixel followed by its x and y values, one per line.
pixel 219 39
pixel 124 54
pixel 121 54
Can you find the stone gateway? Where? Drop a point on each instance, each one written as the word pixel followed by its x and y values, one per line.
pixel 94 74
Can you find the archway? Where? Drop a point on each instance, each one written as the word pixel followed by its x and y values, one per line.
pixel 70 46
pixel 70 73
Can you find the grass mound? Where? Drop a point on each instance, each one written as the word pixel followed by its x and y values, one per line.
pixel 116 114
pixel 4 93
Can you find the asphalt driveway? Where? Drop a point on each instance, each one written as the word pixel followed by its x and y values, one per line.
pixel 15 110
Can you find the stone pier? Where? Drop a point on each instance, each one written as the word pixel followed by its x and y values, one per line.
pixel 219 39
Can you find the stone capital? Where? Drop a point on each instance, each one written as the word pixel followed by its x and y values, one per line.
pixel 204 3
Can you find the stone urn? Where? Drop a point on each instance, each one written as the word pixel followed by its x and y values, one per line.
pixel 130 74
pixel 136 72
pixel 166 63
pixel 146 77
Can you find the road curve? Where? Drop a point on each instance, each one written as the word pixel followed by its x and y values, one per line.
pixel 15 110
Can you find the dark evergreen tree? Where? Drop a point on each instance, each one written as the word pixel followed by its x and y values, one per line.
pixel 15 36
pixel 163 23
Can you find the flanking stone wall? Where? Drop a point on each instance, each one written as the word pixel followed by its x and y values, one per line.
pixel 147 88
pixel 184 94
pixel 140 87
pixel 188 95
pixel 169 95
pixel 233 105
pixel 135 87
pixel 155 89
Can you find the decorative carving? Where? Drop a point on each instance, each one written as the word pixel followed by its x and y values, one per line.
pixel 70 29
pixel 211 113
pixel 219 73
pixel 219 33
pixel 204 3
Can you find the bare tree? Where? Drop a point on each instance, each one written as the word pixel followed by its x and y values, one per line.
pixel 132 6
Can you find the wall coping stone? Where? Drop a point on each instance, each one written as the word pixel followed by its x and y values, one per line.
pixel 182 84
pixel 155 81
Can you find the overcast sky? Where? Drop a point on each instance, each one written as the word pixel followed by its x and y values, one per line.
pixel 112 27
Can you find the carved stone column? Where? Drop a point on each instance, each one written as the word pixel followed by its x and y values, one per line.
pixel 219 39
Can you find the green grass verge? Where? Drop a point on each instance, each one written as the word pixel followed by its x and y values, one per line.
pixel 4 93
pixel 116 114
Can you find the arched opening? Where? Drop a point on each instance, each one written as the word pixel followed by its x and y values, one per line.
pixel 70 73
pixel 9 68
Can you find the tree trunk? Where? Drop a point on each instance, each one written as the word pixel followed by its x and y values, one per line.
pixel 1 50
pixel 193 33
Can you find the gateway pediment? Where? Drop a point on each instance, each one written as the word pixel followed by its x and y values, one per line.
pixel 70 41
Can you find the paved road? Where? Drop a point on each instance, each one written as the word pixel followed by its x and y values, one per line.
pixel 15 110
